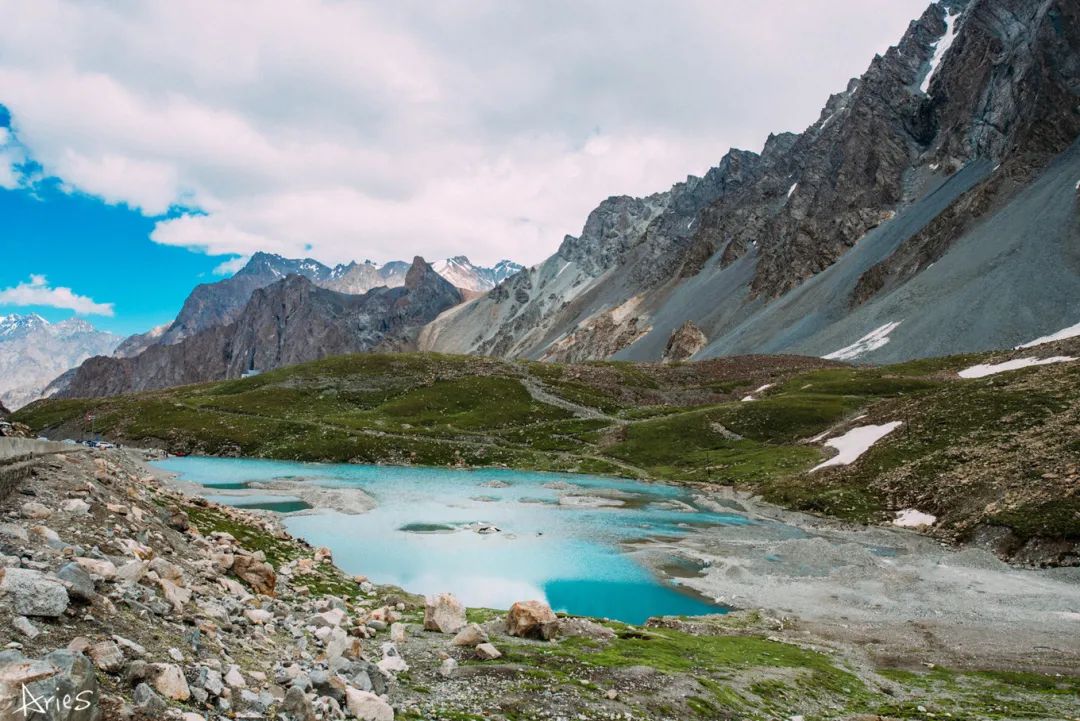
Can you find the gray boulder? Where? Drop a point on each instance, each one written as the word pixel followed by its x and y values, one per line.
pixel 59 687
pixel 79 584
pixel 32 593
pixel 297 706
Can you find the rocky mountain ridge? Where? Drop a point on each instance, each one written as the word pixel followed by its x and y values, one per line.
pixel 219 303
pixel 289 321
pixel 959 143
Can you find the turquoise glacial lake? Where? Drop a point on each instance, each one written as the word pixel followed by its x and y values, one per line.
pixel 553 542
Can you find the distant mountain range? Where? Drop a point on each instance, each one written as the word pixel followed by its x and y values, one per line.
pixel 930 210
pixel 463 274
pixel 214 304
pixel 34 351
pixel 288 321
pixel 38 359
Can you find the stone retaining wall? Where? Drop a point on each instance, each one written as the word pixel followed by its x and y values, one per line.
pixel 18 456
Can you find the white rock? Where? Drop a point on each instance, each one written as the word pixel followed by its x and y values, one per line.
pixel 77 506
pixel 444 613
pixel 98 567
pixel 132 571
pixel 130 645
pixel 332 617
pixel 22 625
pixel 32 593
pixel 258 615
pixel 366 706
pixel 471 635
pixel 234 678
pixel 487 652
pixel 169 681
pixel 448 667
pixel 35 510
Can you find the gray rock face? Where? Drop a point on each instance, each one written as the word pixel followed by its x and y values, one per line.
pixel 32 593
pixel 902 167
pixel 291 321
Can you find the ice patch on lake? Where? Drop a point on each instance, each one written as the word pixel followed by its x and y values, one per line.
pixel 871 341
pixel 988 369
pixel 910 518
pixel 854 443
pixel 1071 332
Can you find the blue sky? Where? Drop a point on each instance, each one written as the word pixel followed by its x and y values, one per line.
pixel 99 251
pixel 348 131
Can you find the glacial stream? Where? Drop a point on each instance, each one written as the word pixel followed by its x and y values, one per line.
pixel 491 536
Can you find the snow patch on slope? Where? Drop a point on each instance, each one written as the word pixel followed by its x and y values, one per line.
pixel 1071 332
pixel 854 443
pixel 911 518
pixel 940 47
pixel 988 369
pixel 871 341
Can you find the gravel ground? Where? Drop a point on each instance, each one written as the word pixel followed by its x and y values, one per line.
pixel 898 595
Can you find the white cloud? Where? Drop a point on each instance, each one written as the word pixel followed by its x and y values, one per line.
pixel 37 291
pixel 350 130
pixel 229 267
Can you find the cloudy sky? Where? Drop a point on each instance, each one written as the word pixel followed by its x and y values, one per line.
pixel 175 138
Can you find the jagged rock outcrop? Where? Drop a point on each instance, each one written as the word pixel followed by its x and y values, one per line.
pixel 955 145
pixel 288 322
pixel 684 342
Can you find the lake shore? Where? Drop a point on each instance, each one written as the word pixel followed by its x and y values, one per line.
pixel 890 595
pixel 897 596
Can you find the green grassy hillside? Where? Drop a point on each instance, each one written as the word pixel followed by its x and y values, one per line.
pixel 996 455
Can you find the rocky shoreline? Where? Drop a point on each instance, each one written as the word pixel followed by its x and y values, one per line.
pixel 893 593
pixel 134 600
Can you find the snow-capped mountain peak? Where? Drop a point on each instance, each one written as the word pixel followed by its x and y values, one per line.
pixel 15 325
pixel 460 271
pixel 34 351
